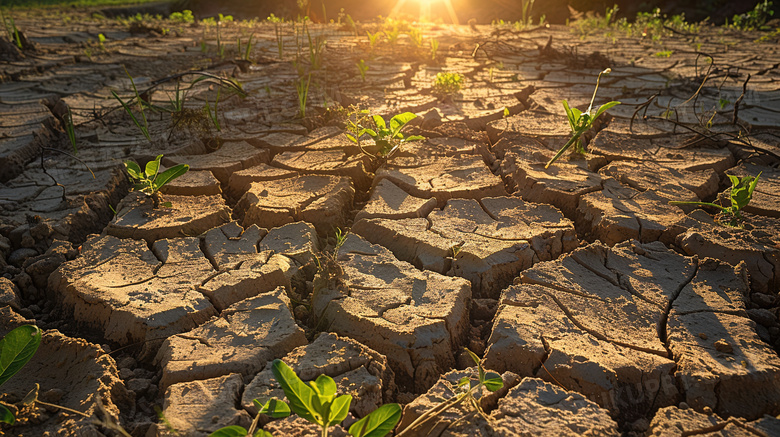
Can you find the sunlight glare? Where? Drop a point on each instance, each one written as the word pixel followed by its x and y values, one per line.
pixel 425 9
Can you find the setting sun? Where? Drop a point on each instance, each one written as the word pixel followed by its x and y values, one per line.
pixel 425 9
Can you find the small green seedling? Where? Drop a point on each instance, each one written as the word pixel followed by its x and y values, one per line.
pixel 468 386
pixel 362 68
pixel 373 39
pixel 126 106
pixel 581 122
pixel 70 129
pixel 446 84
pixel 434 48
pixel 150 180
pixel 387 139
pixel 16 349
pixel 741 194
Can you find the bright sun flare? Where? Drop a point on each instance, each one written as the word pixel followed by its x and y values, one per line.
pixel 425 8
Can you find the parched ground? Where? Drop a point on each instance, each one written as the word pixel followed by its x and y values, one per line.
pixel 606 310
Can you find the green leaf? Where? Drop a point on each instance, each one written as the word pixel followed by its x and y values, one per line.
pixel 378 423
pixel 229 431
pixel 473 356
pixel 134 170
pixel 379 122
pixel 16 349
pixel 493 381
pixel 298 394
pixel 569 115
pixel 324 387
pixel 400 120
pixel 274 408
pixel 169 175
pixel 152 167
pixel 574 138
pixel 463 381
pixel 339 409
pixel 166 205
pixel 262 433
pixel 414 138
pixel 604 107
pixel 6 415
pixel 351 138
pixel 371 133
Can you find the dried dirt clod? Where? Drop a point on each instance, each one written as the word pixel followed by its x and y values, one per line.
pixel 743 381
pixel 123 289
pixel 241 340
pixel 757 243
pixel 673 421
pixel 199 408
pixel 445 178
pixel 487 242
pixel 416 318
pixel 649 175
pixel 333 162
pixel 388 201
pixel 230 244
pixel 228 159
pixel 194 183
pixel 241 180
pixel 188 216
pixel 73 371
pixel 323 201
pixel 356 369
pixel 619 213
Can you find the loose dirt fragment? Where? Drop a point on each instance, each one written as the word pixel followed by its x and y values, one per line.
pixel 122 289
pixel 241 340
pixel 199 408
pixel 446 178
pixel 323 201
pixel 137 218
pixel 415 318
pixel 488 243
pixel 356 369
pixel 390 202
pixel 618 213
pixel 757 244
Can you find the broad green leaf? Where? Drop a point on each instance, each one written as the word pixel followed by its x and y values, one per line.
pixel 371 133
pixel 378 423
pixel 379 122
pixel 414 138
pixel 6 415
pixel 274 408
pixel 298 394
pixel 229 431
pixel 493 381
pixel 169 175
pixel 400 120
pixel 16 349
pixel 324 387
pixel 152 167
pixel 351 138
pixel 604 107
pixel 134 170
pixel 339 409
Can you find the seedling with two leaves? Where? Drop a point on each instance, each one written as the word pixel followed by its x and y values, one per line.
pixel 317 403
pixel 741 194
pixel 150 180
pixel 581 122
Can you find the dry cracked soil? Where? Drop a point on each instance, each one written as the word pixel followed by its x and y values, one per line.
pixel 605 309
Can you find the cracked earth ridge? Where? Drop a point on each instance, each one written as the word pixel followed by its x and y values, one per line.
pixel 624 333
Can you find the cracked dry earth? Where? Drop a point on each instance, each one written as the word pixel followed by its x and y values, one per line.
pixel 606 310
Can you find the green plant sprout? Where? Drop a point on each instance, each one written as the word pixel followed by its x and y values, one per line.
pixel 317 403
pixel 184 17
pixel 126 106
pixel 102 42
pixel 447 83
pixel 150 180
pixel 581 122
pixel 468 386
pixel 434 48
pixel 303 93
pixel 11 30
pixel 70 129
pixel 741 194
pixel 386 139
pixel 245 54
pixel 416 37
pixel 215 116
pixel 16 349
pixel 362 68
pixel 341 237
pixel 753 19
